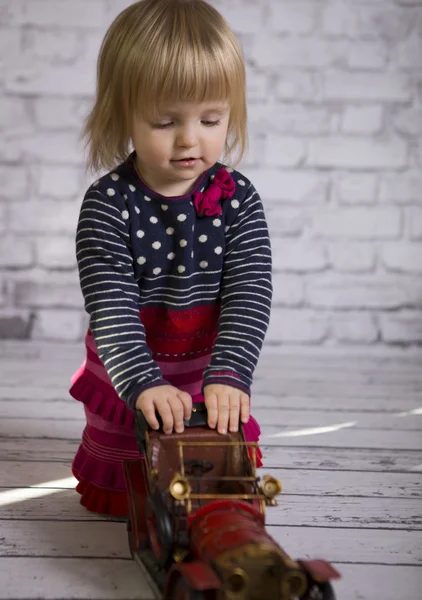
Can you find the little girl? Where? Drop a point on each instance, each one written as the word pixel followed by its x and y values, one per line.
pixel 173 250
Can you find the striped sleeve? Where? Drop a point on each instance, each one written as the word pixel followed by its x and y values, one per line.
pixel 111 295
pixel 246 296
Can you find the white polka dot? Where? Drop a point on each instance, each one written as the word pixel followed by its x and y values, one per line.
pixel 147 198
pixel 183 243
pixel 171 256
pixel 212 177
pixel 202 190
pixel 241 182
pixel 227 228
pixel 192 254
pixel 125 215
pixel 156 245
pixel 96 184
pixel 137 210
pixel 153 219
pixel 218 250
pixel 125 196
pixel 203 264
pixel 203 238
pixel 141 260
pixel 169 230
pixel 111 192
pixel 115 176
pixel 181 269
pixel 140 233
pixel 164 207
pixel 235 203
pixel 193 227
pixel 216 222
pixel 181 218
pixel 132 188
pixel 229 170
pixel 157 271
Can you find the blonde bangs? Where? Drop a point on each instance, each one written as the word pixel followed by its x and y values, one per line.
pixel 159 52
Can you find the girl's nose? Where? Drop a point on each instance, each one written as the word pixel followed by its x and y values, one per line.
pixel 186 137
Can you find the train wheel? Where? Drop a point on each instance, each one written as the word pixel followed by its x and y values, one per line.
pixel 183 591
pixel 320 591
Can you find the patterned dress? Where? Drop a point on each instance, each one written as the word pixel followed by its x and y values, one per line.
pixel 178 291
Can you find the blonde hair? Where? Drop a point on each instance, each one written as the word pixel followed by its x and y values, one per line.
pixel 160 51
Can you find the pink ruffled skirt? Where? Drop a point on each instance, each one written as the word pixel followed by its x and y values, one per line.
pixel 108 438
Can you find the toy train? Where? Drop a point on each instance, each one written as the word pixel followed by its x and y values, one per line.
pixel 196 522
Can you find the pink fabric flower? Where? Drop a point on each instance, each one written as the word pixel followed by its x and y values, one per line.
pixel 207 203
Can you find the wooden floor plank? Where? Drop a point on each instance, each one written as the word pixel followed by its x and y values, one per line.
pixel 391 513
pixel 379 582
pixel 109 540
pixel 16 474
pixel 29 578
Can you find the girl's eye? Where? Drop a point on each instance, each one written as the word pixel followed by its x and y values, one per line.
pixel 162 125
pixel 211 123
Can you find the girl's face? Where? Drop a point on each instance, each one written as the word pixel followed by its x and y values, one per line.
pixel 186 140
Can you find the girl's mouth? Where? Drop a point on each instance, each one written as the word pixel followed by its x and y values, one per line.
pixel 186 162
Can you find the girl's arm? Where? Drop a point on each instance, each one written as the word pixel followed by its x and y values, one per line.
pixel 111 294
pixel 246 294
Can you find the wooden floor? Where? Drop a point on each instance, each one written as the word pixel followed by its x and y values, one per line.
pixel 341 430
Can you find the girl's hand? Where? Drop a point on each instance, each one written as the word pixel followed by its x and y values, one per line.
pixel 225 404
pixel 171 404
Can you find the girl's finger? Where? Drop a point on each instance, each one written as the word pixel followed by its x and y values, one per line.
pixel 234 411
pixel 177 410
pixel 186 400
pixel 223 402
pixel 149 414
pixel 166 415
pixel 212 408
pixel 244 408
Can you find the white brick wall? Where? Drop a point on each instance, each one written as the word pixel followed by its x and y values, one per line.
pixel 335 118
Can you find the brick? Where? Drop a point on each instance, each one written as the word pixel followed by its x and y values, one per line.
pixel 297 327
pixel 13 182
pixel 404 327
pixel 296 17
pixel 284 221
pixel 293 187
pixel 363 291
pixel 46 13
pixel 367 55
pixel 57 182
pixel 14 116
pixel 354 327
pixel 391 23
pixel 52 147
pixel 342 152
pixel 352 257
pixel 340 19
pixel 77 79
pixel 16 252
pixel 301 256
pixel 10 43
pixel 380 87
pixel 296 85
pixel 363 223
pixel 356 189
pixel 402 257
pixel 297 52
pixel 3 216
pixel 288 118
pixel 57 325
pixel 60 113
pixel 409 121
pixel 245 20
pixel 43 217
pixel 47 294
pixel 288 290
pixel 283 151
pixel 15 324
pixel 413 220
pixel 10 12
pixel 402 188
pixel 362 119
pixel 53 45
pixel 407 54
pixel 56 252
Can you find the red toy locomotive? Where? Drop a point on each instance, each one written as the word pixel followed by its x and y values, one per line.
pixel 197 520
